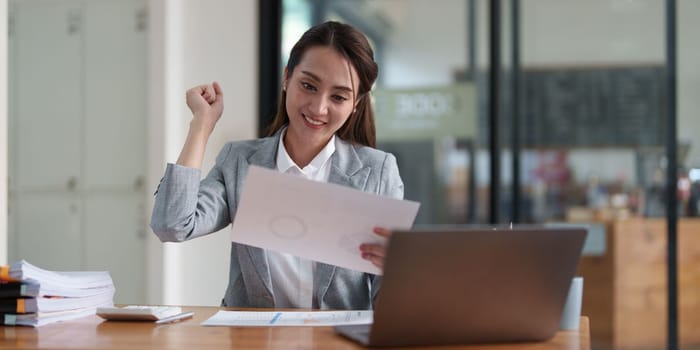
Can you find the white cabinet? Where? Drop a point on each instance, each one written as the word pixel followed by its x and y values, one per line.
pixel 115 234
pixel 47 64
pixel 47 230
pixel 115 94
pixel 77 72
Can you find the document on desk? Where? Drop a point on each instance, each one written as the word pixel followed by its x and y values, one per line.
pixel 319 221
pixel 289 318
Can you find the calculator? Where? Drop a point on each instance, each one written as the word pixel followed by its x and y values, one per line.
pixel 138 312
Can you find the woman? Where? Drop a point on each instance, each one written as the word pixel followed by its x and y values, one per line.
pixel 324 131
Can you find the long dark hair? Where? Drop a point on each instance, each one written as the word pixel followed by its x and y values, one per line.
pixel 352 45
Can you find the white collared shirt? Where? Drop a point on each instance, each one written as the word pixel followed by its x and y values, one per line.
pixel 293 277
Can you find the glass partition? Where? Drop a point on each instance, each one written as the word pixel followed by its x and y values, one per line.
pixel 594 152
pixel 591 114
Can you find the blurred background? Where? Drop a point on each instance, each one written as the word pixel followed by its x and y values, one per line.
pixel 96 109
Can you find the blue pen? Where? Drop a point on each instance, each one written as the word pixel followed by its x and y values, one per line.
pixel 274 319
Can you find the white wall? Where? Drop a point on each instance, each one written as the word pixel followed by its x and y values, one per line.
pixel 3 132
pixel 193 43
pixel 425 40
pixel 566 32
pixel 430 41
pixel 157 107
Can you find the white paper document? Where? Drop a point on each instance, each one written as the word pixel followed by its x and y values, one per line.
pixel 319 221
pixel 289 318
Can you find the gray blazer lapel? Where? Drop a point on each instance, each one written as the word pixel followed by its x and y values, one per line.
pixel 347 169
pixel 265 156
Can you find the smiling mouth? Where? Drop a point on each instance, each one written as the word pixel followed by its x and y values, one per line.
pixel 313 121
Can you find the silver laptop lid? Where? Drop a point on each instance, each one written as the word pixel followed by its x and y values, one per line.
pixel 459 286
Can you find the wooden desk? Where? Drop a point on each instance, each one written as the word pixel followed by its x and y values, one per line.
pixel 92 333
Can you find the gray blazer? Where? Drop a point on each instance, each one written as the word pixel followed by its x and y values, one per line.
pixel 186 208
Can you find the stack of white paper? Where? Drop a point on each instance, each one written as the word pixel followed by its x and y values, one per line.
pixel 32 296
pixel 43 318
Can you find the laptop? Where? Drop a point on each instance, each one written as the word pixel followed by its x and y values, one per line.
pixel 467 285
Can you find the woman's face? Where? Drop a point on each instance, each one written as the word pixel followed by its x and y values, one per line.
pixel 320 95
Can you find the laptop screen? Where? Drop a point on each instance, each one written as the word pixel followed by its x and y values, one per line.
pixel 475 285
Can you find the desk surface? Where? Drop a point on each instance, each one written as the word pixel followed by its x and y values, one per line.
pixel 91 332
